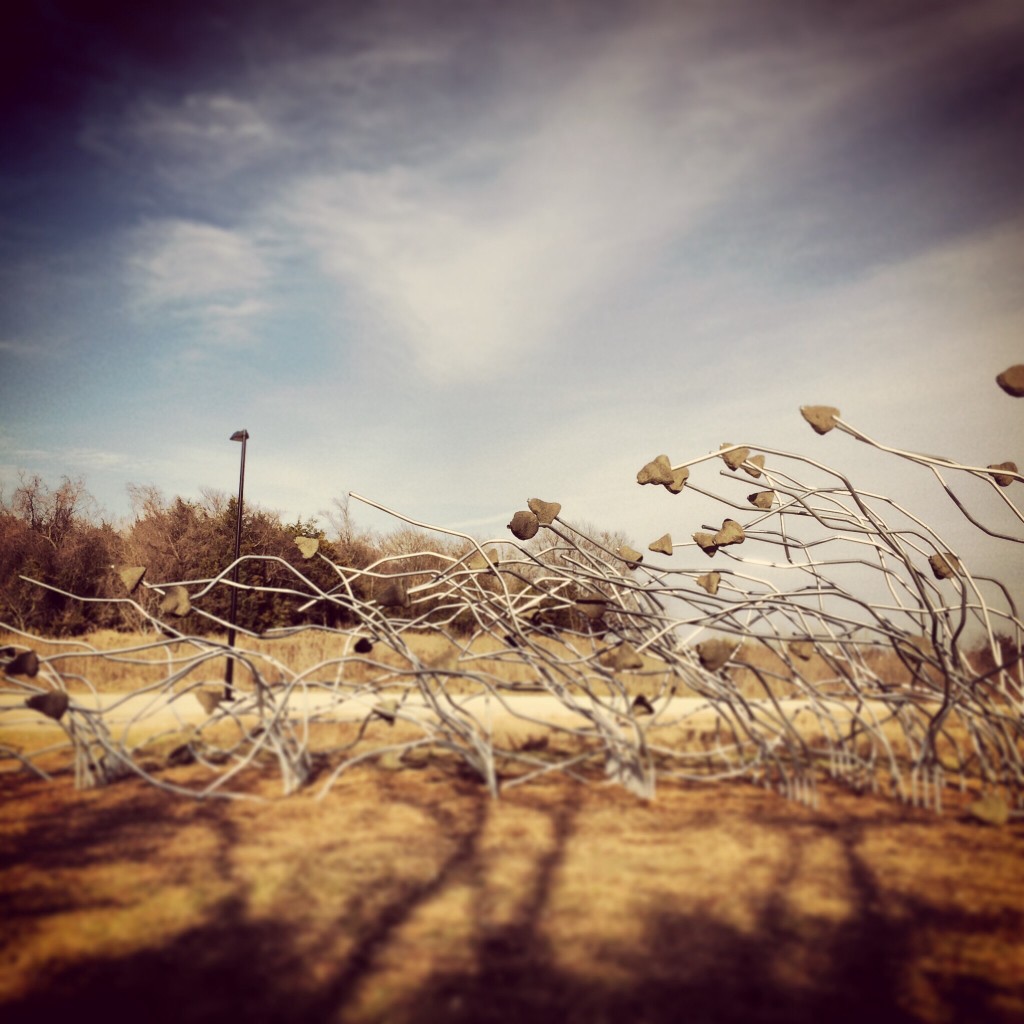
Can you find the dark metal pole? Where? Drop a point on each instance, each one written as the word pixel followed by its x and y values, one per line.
pixel 229 672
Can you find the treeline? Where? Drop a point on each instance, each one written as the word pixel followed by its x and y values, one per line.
pixel 56 536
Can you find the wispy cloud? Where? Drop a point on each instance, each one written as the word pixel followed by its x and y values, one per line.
pixel 20 349
pixel 649 158
pixel 491 247
pixel 212 276
pixel 187 142
pixel 560 237
pixel 178 260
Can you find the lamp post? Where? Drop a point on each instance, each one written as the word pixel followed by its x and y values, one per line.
pixel 229 672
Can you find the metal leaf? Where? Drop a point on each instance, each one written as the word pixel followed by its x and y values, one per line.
pixel 1004 479
pixel 308 546
pixel 592 607
pixel 52 704
pixel 944 565
pixel 24 664
pixel 524 525
pixel 1012 381
pixel 992 809
pixel 821 417
pixel 630 556
pixel 679 478
pixel 131 576
pixel 642 706
pixel 706 542
pixel 394 594
pixel 663 544
pixel 754 465
pixel 545 511
pixel 210 698
pixel 657 471
pixel 715 653
pixel 709 581
pixel 730 533
pixel 735 458
pixel 623 658
pixel 176 602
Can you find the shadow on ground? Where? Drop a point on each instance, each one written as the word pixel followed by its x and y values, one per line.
pixel 687 967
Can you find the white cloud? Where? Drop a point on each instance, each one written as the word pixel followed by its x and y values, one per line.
pixel 198 122
pixel 201 273
pixel 19 349
pixel 508 235
pixel 190 142
pixel 178 260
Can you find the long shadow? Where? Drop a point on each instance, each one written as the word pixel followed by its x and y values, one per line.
pixel 462 859
pixel 688 967
pixel 232 968
pixel 695 968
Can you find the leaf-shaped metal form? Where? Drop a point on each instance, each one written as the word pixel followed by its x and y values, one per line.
pixel 210 698
pixel 657 471
pixel 176 602
pixel 482 560
pixel 622 658
pixel 391 761
pixel 736 457
pixel 730 533
pixel 642 706
pixel 1012 381
pixel 24 664
pixel 308 546
pixel 524 525
pixel 754 465
pixel 592 607
pixel 821 417
pixel 387 709
pixel 761 499
pixel 1004 479
pixel 709 581
pixel 545 511
pixel 52 704
pixel 679 478
pixel 131 576
pixel 992 809
pixel 706 542
pixel 802 649
pixel 715 653
pixel 662 545
pixel 393 594
pixel 944 565
pixel 630 556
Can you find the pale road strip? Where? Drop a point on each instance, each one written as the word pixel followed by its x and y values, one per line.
pixel 513 713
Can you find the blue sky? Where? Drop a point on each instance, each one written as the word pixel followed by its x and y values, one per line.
pixel 456 255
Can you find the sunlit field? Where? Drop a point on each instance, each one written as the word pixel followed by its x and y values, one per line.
pixel 412 896
pixel 320 654
pixel 520 788
pixel 406 894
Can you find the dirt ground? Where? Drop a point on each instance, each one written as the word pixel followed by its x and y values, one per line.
pixel 411 896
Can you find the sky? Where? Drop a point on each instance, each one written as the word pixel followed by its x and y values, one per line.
pixel 455 255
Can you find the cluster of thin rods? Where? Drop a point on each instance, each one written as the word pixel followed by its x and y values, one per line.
pixel 836 636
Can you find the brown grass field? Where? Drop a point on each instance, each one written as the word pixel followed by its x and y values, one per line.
pixel 114 672
pixel 411 896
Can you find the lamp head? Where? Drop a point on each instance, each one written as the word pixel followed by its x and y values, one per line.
pixel 240 435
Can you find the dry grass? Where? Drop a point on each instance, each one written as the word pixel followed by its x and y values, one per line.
pixel 326 656
pixel 757 668
pixel 412 897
